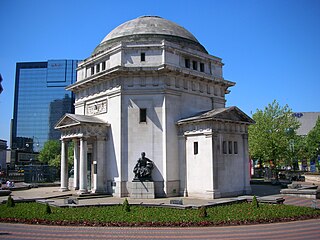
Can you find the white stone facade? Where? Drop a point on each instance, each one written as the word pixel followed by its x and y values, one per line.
pixel 138 91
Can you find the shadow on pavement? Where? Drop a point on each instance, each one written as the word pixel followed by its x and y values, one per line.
pixel 265 190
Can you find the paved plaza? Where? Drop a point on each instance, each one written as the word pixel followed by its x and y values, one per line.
pixel 54 196
pixel 308 229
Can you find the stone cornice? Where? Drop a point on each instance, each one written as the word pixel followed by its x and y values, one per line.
pixel 212 127
pixel 84 130
pixel 163 68
pixel 213 120
pixel 107 74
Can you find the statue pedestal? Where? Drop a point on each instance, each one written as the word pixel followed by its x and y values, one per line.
pixel 143 190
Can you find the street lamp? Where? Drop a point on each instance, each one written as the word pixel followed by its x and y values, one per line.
pixel 31 144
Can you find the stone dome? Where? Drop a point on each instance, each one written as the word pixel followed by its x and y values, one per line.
pixel 147 27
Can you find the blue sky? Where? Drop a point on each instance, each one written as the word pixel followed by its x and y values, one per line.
pixel 271 48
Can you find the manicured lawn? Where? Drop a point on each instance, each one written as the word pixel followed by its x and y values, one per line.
pixel 147 216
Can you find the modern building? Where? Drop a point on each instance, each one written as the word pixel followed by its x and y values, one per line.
pixel 1 88
pixel 307 120
pixel 3 154
pixel 40 100
pixel 150 86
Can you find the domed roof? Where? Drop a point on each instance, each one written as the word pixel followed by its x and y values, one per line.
pixel 148 28
pixel 149 25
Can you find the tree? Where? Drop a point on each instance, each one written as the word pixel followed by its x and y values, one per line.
pixel 271 139
pixel 313 141
pixel 301 149
pixel 51 153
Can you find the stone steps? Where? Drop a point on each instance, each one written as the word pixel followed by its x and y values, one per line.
pixel 302 192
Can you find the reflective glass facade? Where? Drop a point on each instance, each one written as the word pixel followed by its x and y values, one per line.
pixel 1 88
pixel 40 101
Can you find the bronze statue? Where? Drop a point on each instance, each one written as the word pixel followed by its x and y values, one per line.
pixel 143 168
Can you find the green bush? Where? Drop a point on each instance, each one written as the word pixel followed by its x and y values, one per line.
pixel 203 212
pixel 10 202
pixel 126 205
pixel 255 202
pixel 48 209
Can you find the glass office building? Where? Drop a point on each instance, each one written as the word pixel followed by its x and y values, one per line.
pixel 40 100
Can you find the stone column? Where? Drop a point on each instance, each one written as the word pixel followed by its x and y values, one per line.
pixel 76 164
pixel 246 166
pixel 64 166
pixel 83 181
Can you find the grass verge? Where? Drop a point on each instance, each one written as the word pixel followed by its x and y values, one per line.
pixel 235 214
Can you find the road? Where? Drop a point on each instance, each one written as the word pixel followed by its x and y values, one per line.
pixel 308 229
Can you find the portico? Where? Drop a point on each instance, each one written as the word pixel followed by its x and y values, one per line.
pixel 89 135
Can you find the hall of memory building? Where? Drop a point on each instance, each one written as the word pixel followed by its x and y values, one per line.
pixel 151 87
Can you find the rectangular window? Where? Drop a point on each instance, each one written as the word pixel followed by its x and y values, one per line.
pixel 230 147
pixel 224 147
pixel 143 57
pixel 98 68
pixel 143 115
pixel 187 63
pixel 235 147
pixel 194 65
pixel 92 70
pixel 201 67
pixel 95 168
pixel 195 148
pixel 103 66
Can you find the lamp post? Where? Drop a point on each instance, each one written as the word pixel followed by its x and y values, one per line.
pixel 291 145
pixel 30 147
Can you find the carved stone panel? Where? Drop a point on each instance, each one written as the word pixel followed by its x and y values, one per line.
pixel 97 108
